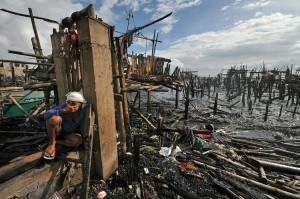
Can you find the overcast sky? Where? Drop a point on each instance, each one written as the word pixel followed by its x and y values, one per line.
pixel 202 35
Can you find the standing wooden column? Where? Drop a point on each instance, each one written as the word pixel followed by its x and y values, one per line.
pixel 177 97
pixel 149 102
pixel 95 49
pixel 58 40
pixel 186 103
pixel 121 49
pixel 216 104
pixel 118 103
pixel 267 111
pixel 13 75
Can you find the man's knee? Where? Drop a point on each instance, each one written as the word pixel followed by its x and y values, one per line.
pixel 77 140
pixel 54 120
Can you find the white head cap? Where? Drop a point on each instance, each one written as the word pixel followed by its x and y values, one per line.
pixel 75 97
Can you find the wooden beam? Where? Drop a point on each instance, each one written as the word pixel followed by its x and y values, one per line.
pixel 87 157
pixel 94 43
pixel 119 103
pixel 43 181
pixel 28 54
pixel 10 170
pixel 24 15
pixel 58 39
pixel 25 62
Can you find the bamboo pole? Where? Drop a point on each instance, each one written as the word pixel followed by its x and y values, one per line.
pixel 25 62
pixel 253 182
pixel 24 15
pixel 143 117
pixel 28 54
pixel 36 35
pixel 18 105
pixel 87 159
pixel 117 90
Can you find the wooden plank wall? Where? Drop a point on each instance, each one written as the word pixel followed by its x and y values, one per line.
pixel 96 65
pixel 43 181
pixel 58 40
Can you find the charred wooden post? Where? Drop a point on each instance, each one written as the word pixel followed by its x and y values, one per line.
pixel 243 98
pixel 13 75
pixel 120 53
pixel 255 90
pixel 58 40
pixel 250 105
pixel 295 111
pixel 280 111
pixel 47 99
pixel 175 142
pixel 202 91
pixel 36 36
pixel 266 113
pixel 95 48
pixel 88 148
pixel 208 86
pixel 187 102
pixel 192 86
pixel 27 76
pixel 143 117
pixel 118 103
pixel 216 104
pixel 176 96
pixel 136 151
pixel 149 102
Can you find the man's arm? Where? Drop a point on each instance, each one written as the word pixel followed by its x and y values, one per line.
pixel 57 110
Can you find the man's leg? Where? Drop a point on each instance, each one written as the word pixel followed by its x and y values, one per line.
pixel 71 140
pixel 53 128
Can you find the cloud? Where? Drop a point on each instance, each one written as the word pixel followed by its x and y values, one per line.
pixel 258 4
pixel 164 7
pixel 237 2
pixel 105 11
pixel 148 10
pixel 134 5
pixel 270 38
pixel 258 14
pixel 16 31
pixel 225 8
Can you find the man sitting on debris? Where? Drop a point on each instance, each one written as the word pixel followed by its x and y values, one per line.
pixel 65 123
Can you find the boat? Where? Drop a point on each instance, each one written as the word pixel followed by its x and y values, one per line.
pixel 11 110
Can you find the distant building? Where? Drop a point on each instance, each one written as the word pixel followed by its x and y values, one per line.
pixel 11 74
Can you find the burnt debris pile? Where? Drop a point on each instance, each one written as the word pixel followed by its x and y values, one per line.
pixel 213 145
pixel 149 132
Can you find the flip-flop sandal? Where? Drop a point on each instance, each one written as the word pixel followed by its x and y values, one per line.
pixel 49 156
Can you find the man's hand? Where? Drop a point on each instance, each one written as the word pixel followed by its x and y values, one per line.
pixel 72 107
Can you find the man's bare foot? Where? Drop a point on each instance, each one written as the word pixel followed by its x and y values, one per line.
pixel 49 153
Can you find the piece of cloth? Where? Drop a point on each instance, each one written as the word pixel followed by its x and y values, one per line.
pixel 75 97
pixel 68 125
pixel 199 143
pixel 203 136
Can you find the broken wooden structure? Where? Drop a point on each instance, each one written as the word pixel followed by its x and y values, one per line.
pixel 92 64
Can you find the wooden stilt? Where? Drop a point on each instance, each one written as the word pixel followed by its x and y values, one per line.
pixel 177 96
pixel 266 113
pixel 118 104
pixel 95 49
